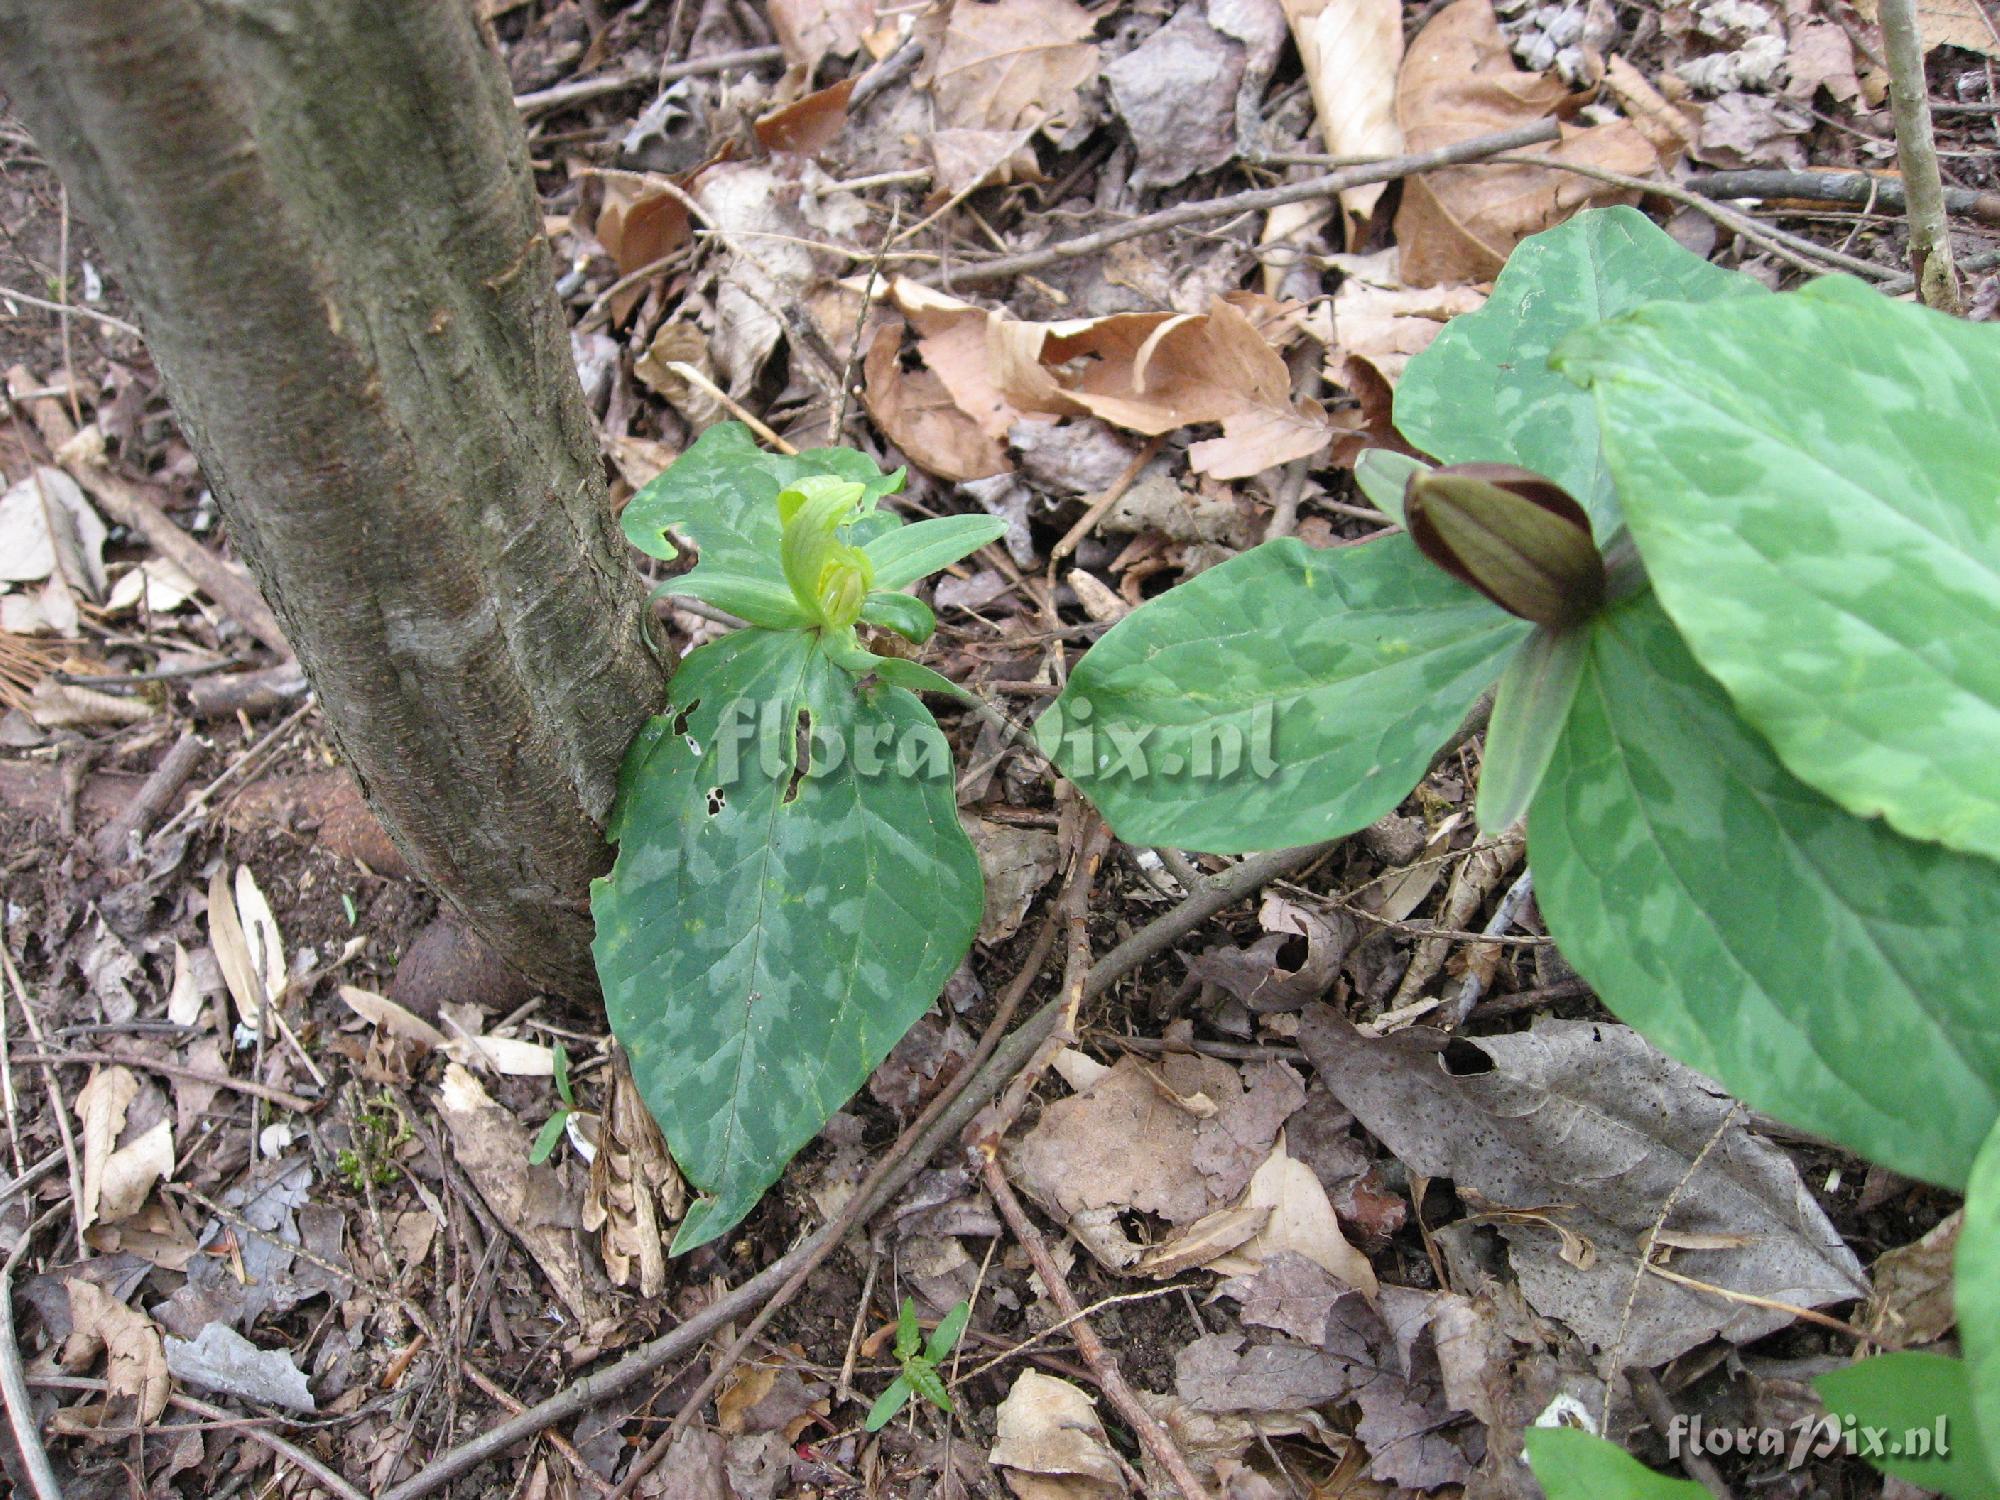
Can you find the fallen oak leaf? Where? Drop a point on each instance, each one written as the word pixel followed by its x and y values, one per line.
pixel 136 1362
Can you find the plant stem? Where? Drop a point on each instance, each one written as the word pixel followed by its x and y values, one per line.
pixel 1916 153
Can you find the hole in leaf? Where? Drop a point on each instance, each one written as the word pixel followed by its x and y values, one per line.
pixel 716 801
pixel 1291 954
pixel 1463 1059
pixel 801 753
pixel 681 718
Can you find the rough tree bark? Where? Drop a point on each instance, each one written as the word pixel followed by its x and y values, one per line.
pixel 322 209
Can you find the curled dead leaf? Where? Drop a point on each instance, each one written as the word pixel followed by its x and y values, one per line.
pixel 135 1372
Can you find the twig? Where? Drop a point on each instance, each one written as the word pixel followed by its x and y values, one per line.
pixel 1259 201
pixel 581 90
pixel 153 795
pixel 1474 984
pixel 1225 890
pixel 1659 1410
pixel 20 1411
pixel 256 755
pixel 1793 249
pixel 1860 188
pixel 1101 506
pixel 63 308
pixel 129 505
pixel 741 412
pixel 53 1088
pixel 294 1102
pixel 562 1445
pixel 1916 153
pixel 1152 1436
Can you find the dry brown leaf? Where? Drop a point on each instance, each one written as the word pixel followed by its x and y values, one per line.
pixel 491 1144
pixel 1947 23
pixel 1460 81
pixel 1670 130
pixel 399 1021
pixel 1389 326
pixel 1048 1428
pixel 116 1180
pixel 639 225
pixel 1352 50
pixel 962 160
pixel 1912 1303
pixel 184 995
pixel 1011 64
pixel 135 1371
pixel 679 342
pixel 809 125
pixel 260 935
pixel 917 413
pixel 1176 92
pixel 1298 1218
pixel 636 1193
pixel 1154 372
pixel 808 30
pixel 952 338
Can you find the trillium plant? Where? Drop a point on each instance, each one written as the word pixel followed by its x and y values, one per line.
pixel 1728 562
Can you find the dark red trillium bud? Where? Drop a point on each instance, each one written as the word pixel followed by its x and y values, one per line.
pixel 1516 536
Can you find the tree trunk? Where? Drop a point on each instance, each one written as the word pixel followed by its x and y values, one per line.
pixel 322 209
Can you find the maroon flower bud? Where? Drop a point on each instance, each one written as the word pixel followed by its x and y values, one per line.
pixel 1516 536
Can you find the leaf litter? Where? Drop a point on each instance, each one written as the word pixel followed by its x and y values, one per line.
pixel 1374 1256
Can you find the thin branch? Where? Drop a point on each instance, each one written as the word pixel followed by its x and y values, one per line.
pixel 13 1384
pixel 1259 200
pixel 1916 153
pixel 1860 189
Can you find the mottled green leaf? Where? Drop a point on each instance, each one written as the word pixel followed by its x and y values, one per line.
pixel 1574 1465
pixel 1919 1408
pixel 765 938
pixel 1286 696
pixel 1483 391
pixel 1976 1293
pixel 1529 709
pixel 918 550
pixel 1814 482
pixel 1820 966
pixel 1382 474
pixel 722 495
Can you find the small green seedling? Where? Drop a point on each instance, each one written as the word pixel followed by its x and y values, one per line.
pixel 920 1363
pixel 552 1130
pixel 380 1131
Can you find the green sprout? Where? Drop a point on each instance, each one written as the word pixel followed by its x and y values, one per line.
pixel 379 1132
pixel 552 1130
pixel 920 1363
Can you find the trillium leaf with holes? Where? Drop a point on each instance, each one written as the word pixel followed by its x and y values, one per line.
pixel 1753 929
pixel 792 886
pixel 1483 392
pixel 1813 480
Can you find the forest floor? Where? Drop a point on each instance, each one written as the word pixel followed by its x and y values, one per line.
pixel 296 1247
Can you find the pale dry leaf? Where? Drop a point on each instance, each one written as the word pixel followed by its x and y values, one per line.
pixel 1352 50
pixel 1912 1304
pixel 506 1055
pixel 491 1144
pixel 1154 372
pixel 636 1193
pixel 952 338
pixel 183 995
pixel 1098 599
pixel 1298 1219
pixel 1663 123
pixel 810 30
pixel 260 934
pixel 100 1105
pixel 963 160
pixel 1460 81
pixel 130 1172
pixel 221 1359
pixel 1017 863
pixel 158 582
pixel 1947 23
pixel 1011 64
pixel 1820 55
pixel 59 705
pixel 135 1371
pixel 679 342
pixel 385 1014
pixel 48 528
pixel 1389 328
pixel 1050 1428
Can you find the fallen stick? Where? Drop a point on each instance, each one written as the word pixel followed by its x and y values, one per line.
pixel 1260 200
pixel 114 839
pixel 294 1102
pixel 1225 890
pixel 1153 1437
pixel 256 692
pixel 1861 189
pixel 129 505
